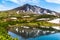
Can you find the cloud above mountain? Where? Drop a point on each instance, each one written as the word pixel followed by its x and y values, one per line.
pixel 21 2
pixel 9 4
pixel 33 1
pixel 53 1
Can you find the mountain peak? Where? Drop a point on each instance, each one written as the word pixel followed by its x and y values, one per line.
pixel 27 4
pixel 35 9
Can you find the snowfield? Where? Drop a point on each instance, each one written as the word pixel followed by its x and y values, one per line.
pixel 57 21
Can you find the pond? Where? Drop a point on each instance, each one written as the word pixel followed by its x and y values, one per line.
pixel 27 33
pixel 55 36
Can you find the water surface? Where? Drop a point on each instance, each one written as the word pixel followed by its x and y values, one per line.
pixel 55 36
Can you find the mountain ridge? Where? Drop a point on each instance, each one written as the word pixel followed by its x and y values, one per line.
pixel 35 9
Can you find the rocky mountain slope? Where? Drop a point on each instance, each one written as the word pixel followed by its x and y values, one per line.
pixel 34 9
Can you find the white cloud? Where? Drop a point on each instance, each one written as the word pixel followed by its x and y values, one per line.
pixel 54 1
pixel 4 5
pixel 21 2
pixel 15 1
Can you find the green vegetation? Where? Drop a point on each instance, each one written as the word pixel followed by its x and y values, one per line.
pixel 4 33
pixel 5 21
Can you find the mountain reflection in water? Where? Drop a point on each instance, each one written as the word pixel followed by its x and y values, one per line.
pixel 26 32
pixel 55 36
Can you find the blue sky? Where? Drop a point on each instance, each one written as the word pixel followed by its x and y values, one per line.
pixel 48 4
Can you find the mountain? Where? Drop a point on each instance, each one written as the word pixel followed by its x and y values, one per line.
pixel 34 9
